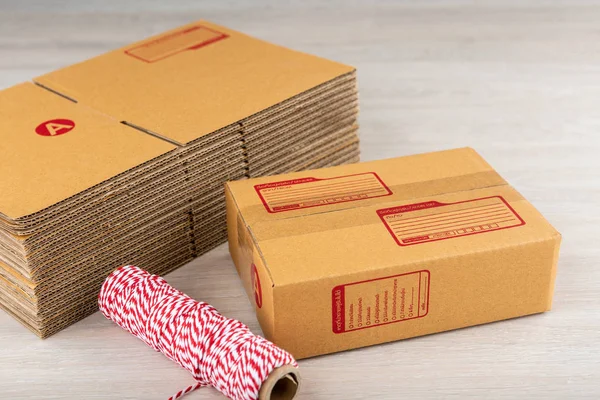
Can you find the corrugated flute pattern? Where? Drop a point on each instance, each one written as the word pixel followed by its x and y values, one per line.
pixel 121 159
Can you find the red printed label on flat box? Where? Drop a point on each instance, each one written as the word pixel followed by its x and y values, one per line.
pixel 313 192
pixel 170 44
pixel 55 127
pixel 431 221
pixel 381 301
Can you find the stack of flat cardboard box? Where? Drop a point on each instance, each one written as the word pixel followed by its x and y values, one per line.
pixel 122 158
pixel 313 130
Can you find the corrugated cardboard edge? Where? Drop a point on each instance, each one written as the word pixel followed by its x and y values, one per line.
pixel 235 222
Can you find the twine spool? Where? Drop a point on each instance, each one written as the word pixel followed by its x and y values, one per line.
pixel 218 351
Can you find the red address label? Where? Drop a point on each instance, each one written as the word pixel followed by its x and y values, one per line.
pixel 430 221
pixel 191 38
pixel 313 192
pixel 382 301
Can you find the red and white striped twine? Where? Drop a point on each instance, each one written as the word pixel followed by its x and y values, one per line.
pixel 218 351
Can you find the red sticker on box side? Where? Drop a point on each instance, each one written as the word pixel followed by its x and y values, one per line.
pixel 255 279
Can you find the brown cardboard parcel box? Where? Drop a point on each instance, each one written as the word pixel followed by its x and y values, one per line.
pixel 356 255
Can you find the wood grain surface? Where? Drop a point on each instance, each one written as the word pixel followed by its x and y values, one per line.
pixel 518 81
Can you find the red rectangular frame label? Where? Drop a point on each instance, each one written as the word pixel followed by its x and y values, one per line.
pixel 168 45
pixel 310 192
pixel 381 301
pixel 431 221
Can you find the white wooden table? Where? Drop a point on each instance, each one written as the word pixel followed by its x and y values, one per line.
pixel 519 83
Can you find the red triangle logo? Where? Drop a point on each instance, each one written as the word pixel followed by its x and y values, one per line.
pixel 55 127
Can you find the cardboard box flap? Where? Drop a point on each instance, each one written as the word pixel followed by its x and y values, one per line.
pixel 397 233
pixel 53 149
pixel 191 81
pixel 367 183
